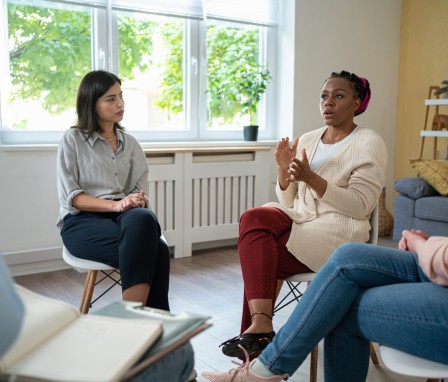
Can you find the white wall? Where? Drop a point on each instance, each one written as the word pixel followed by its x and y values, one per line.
pixel 357 35
pixel 361 36
pixel 29 209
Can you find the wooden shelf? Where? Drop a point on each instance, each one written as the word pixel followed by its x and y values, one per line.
pixel 434 133
pixel 436 102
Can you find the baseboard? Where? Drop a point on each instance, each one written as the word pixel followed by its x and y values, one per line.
pixel 214 244
pixel 35 261
pixel 50 259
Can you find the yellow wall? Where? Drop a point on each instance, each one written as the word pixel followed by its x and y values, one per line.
pixel 423 62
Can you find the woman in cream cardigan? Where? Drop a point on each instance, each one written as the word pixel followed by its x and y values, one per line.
pixel 329 182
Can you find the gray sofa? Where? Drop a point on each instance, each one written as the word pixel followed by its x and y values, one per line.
pixel 418 205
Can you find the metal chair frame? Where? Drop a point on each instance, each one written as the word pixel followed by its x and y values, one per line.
pixel 294 294
pixel 106 275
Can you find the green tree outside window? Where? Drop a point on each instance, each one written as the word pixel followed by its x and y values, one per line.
pixel 51 52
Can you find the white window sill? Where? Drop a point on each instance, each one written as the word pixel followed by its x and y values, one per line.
pixel 156 145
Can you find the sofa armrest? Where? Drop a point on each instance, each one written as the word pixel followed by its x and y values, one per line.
pixel 404 215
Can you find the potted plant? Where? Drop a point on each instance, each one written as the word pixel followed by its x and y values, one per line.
pixel 443 89
pixel 249 82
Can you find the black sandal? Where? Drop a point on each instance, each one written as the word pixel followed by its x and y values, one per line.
pixel 253 343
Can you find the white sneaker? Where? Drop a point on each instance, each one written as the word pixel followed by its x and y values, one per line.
pixel 243 373
pixel 193 376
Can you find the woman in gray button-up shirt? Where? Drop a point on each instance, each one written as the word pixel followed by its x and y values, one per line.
pixel 102 176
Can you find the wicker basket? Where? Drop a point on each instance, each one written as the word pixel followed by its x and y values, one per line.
pixel 385 218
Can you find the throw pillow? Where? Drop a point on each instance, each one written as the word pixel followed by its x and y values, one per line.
pixel 435 172
pixel 414 188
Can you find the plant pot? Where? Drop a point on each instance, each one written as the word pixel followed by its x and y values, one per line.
pixel 250 133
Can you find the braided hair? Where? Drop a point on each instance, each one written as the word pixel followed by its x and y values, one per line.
pixel 360 86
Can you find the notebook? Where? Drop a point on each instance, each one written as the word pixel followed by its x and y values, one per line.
pixel 57 343
pixel 178 329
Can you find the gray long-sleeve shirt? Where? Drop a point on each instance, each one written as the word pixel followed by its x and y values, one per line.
pixel 91 167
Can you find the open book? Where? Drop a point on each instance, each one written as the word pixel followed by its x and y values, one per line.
pixel 56 343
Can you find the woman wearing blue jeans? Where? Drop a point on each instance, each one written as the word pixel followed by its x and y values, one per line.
pixel 396 297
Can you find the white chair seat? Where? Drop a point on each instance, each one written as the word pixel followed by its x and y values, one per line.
pixel 301 277
pixel 82 264
pixel 406 364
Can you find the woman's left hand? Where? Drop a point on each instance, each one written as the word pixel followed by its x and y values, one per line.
pixel 300 170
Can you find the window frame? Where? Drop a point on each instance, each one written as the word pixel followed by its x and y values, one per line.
pixel 105 56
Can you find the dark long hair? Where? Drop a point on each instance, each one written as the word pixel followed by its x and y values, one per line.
pixel 93 86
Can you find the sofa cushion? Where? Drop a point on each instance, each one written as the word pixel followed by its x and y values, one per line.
pixel 432 208
pixel 414 188
pixel 435 172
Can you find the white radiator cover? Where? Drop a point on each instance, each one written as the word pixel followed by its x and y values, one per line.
pixel 199 196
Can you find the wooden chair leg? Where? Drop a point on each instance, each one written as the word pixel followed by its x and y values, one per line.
pixel 84 291
pixel 87 294
pixel 373 355
pixel 313 364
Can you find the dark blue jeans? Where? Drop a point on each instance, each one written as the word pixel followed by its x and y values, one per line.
pixel 363 293
pixel 130 241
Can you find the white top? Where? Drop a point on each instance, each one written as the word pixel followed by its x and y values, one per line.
pixel 327 150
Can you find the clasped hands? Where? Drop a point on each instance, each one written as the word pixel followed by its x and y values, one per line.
pixel 412 240
pixel 131 201
pixel 297 170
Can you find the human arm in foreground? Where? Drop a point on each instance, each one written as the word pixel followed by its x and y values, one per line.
pixel 432 253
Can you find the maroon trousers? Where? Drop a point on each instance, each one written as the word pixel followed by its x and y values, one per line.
pixel 264 258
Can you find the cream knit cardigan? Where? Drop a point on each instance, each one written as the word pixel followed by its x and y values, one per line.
pixel 355 178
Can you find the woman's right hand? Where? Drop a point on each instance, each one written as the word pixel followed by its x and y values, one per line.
pixel 284 154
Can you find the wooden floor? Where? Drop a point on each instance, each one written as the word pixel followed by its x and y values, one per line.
pixel 207 283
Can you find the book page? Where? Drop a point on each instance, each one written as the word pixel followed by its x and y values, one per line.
pixel 90 349
pixel 44 316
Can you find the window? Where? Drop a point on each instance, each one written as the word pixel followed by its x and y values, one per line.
pixel 178 65
pixel 152 75
pixel 229 48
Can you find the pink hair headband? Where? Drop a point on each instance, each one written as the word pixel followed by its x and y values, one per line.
pixel 365 100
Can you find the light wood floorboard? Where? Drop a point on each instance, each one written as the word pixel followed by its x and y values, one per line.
pixel 207 283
